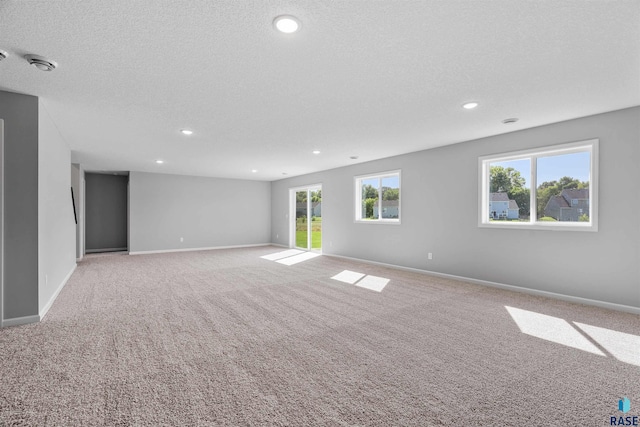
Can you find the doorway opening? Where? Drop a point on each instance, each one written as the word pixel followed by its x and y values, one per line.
pixel 306 218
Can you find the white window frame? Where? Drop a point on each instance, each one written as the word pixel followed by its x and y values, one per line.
pixel 590 146
pixel 358 197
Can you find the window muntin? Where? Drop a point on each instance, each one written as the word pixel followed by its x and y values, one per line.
pixel 378 197
pixel 551 188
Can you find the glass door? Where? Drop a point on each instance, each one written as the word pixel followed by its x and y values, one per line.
pixel 302 215
pixel 307 218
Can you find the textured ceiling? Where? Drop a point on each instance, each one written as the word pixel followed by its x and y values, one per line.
pixel 362 78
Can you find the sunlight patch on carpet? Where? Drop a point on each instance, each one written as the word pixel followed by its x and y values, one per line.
pixel 551 329
pixel 305 256
pixel 373 283
pixel 624 347
pixel 282 254
pixel 350 277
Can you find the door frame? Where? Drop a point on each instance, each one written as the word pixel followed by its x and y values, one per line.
pixel 293 219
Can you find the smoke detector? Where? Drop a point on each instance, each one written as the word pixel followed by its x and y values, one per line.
pixel 3 55
pixel 41 63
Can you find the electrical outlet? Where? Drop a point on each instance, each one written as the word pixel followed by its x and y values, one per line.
pixel 430 256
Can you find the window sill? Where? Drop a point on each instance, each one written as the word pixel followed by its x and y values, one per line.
pixel 378 221
pixel 542 226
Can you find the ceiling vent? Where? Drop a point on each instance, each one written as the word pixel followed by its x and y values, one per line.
pixel 41 63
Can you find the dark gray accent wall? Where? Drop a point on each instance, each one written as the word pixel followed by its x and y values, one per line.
pixel 1 220
pixel 440 215
pixel 106 211
pixel 20 115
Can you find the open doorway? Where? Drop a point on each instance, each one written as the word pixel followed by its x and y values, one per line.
pixel 306 218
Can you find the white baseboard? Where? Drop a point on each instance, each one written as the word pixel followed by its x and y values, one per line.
pixel 164 251
pixel 46 308
pixel 16 321
pixel 563 297
pixel 279 245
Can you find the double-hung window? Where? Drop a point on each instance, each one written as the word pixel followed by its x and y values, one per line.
pixel 378 197
pixel 553 188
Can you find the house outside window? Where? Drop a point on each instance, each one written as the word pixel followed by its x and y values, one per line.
pixel 551 188
pixel 377 198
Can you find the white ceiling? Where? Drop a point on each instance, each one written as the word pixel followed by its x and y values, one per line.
pixel 365 78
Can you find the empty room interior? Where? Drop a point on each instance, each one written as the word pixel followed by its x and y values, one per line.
pixel 319 213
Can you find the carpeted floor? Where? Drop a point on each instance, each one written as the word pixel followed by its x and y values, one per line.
pixel 227 338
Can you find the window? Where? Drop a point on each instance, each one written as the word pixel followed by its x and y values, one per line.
pixel 547 188
pixel 378 197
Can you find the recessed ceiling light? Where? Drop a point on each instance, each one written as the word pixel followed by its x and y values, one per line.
pixel 41 63
pixel 353 157
pixel 254 170
pixel 470 105
pixel 316 151
pixel 284 173
pixel 286 24
pixel 186 131
pixel 509 121
pixel 159 162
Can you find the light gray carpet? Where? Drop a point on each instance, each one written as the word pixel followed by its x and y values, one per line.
pixel 227 338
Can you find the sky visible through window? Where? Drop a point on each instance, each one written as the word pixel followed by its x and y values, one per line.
pixel 388 181
pixel 552 168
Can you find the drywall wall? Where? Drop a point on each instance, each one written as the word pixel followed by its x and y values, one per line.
pixel 439 202
pixel 56 226
pixel 20 115
pixel 106 212
pixel 1 219
pixel 204 212
pixel 77 183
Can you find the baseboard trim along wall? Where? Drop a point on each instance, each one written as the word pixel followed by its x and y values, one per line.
pixel 93 251
pixel 164 251
pixel 46 308
pixel 17 321
pixel 569 298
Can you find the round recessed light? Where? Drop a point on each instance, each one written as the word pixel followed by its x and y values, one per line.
pixel 254 170
pixel 509 121
pixel 159 162
pixel 353 157
pixel 186 132
pixel 316 151
pixel 470 105
pixel 284 173
pixel 41 63
pixel 286 24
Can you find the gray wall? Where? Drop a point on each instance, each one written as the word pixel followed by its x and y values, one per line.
pixel 106 211
pixel 205 212
pixel 1 219
pixel 439 203
pixel 20 115
pixel 56 227
pixel 77 178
